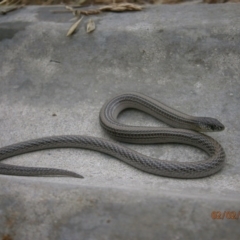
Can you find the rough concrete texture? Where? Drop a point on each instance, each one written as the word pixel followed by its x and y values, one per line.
pixel 187 56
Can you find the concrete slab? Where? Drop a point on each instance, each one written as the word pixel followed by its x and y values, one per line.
pixel 187 56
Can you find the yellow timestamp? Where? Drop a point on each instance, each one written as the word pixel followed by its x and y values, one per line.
pixel 233 215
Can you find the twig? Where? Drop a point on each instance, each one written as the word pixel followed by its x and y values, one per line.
pixel 10 9
pixel 90 12
pixel 3 2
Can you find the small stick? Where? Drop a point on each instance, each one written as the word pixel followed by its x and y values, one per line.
pixel 10 9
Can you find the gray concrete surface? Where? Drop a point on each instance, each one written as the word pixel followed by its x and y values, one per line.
pixel 187 56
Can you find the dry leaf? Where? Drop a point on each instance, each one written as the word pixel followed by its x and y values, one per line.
pixel 121 7
pixel 69 8
pixel 73 27
pixel 90 26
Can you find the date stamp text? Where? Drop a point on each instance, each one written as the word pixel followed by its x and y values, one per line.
pixel 233 215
